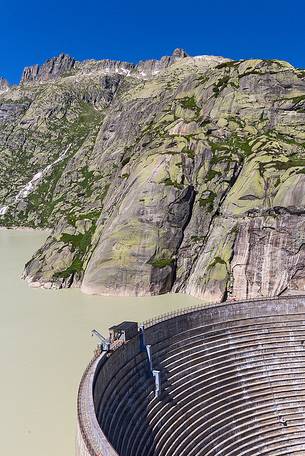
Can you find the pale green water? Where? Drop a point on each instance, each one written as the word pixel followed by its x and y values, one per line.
pixel 45 345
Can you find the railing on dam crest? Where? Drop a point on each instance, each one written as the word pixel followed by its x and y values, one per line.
pixel 186 310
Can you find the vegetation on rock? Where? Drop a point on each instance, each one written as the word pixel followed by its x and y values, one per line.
pixel 182 175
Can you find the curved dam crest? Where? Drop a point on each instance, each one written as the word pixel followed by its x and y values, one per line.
pixel 232 379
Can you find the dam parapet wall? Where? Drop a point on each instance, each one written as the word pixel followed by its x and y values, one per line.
pixel 90 440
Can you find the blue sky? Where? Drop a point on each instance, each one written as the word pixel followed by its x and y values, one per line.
pixel 32 31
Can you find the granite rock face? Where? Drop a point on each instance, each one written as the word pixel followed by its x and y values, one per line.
pixel 184 174
pixel 51 69
pixel 4 85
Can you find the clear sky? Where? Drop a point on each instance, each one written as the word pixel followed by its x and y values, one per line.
pixel 32 31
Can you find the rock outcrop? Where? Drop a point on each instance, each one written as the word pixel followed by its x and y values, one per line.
pixel 51 69
pixel 184 174
pixel 4 85
pixel 153 67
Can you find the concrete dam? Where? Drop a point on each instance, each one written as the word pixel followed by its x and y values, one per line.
pixel 227 379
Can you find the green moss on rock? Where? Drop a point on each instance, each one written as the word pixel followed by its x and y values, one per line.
pixel 162 262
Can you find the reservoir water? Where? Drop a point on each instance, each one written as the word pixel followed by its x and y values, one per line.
pixel 45 345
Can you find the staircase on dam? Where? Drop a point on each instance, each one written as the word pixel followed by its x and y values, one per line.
pixel 232 383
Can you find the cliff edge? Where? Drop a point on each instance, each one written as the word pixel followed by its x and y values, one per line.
pixel 184 174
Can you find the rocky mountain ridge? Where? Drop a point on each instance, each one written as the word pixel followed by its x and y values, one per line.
pixel 184 174
pixel 4 85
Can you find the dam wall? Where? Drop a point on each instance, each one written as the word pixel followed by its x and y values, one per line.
pixel 230 376
pixel 90 440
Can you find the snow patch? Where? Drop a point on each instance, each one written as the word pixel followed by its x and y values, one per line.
pixel 32 184
pixel 212 58
pixel 3 210
pixel 125 71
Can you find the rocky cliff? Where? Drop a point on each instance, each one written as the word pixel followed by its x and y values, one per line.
pixel 184 174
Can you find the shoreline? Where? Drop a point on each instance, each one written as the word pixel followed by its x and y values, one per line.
pixel 25 228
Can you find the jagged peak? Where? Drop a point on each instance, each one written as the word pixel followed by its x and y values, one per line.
pixel 151 67
pixel 62 64
pixel 180 53
pixel 51 69
pixel 4 85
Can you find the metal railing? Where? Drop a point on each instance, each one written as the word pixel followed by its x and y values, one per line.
pixel 82 420
pixel 185 310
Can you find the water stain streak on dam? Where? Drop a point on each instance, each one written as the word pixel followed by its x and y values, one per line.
pixel 232 383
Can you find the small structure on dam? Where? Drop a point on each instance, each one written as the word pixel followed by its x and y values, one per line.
pixel 231 381
pixel 124 331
